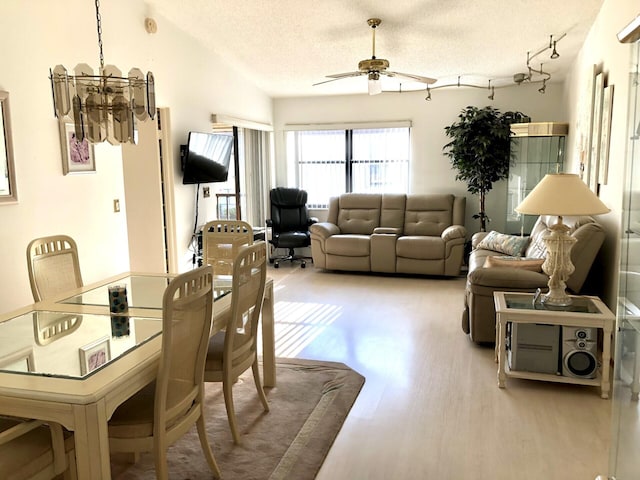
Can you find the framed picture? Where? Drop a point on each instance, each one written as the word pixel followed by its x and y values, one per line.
pixel 94 355
pixel 594 157
pixel 584 123
pixel 605 136
pixel 77 157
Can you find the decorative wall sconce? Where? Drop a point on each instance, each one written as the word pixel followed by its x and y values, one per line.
pixel 103 106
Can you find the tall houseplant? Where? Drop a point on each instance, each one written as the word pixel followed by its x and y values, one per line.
pixel 480 150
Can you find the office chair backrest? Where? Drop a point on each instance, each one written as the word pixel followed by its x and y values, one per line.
pixel 289 209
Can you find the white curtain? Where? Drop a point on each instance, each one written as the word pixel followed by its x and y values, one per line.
pixel 257 158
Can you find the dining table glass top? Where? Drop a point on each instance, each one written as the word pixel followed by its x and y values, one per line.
pixel 60 342
pixel 69 345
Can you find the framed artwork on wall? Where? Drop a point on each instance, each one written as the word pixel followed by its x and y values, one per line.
pixel 584 123
pixel 594 157
pixel 605 136
pixel 77 156
pixel 94 355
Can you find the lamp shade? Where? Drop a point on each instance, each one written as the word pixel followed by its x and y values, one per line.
pixel 562 194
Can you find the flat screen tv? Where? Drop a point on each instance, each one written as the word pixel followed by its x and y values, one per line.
pixel 207 158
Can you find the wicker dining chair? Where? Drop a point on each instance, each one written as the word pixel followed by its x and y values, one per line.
pixel 166 409
pixel 233 350
pixel 53 266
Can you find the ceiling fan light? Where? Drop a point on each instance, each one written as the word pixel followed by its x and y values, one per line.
pixel 375 85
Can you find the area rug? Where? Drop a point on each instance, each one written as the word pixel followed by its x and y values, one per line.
pixel 307 409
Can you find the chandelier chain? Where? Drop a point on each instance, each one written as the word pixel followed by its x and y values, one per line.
pixel 99 24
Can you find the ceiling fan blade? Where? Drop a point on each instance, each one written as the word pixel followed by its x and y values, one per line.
pixel 327 81
pixel 340 76
pixel 346 75
pixel 410 76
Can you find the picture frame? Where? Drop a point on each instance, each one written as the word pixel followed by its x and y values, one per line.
pixel 77 157
pixel 95 354
pixel 605 136
pixel 584 124
pixel 594 157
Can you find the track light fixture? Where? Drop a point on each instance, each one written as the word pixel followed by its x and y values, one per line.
pixel 543 88
pixel 532 75
pixel 492 91
pixel 555 53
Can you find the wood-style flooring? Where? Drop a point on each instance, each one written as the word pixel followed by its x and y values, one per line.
pixel 430 407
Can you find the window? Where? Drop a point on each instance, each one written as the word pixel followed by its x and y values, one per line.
pixel 331 162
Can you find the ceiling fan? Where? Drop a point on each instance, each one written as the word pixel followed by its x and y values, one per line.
pixel 374 67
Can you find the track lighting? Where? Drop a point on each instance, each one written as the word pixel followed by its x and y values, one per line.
pixel 428 97
pixel 492 90
pixel 543 88
pixel 555 53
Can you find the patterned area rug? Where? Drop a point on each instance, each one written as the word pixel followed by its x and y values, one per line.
pixel 307 409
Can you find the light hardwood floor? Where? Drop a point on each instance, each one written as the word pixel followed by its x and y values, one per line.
pixel 430 407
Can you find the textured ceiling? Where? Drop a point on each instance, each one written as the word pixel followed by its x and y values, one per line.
pixel 288 45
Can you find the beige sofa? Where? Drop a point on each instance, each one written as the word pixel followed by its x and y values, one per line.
pixel 391 233
pixel 478 316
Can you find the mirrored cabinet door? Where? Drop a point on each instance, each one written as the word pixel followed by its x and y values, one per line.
pixel 625 440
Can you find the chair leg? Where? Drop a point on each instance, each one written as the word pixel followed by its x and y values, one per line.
pixel 160 458
pixel 206 448
pixel 227 388
pixel 256 378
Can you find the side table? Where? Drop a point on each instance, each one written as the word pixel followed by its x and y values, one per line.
pixel 589 312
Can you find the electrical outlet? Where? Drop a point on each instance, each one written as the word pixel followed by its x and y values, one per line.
pixel 206 193
pixel 116 205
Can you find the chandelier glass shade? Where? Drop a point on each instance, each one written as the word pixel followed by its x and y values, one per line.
pixel 103 105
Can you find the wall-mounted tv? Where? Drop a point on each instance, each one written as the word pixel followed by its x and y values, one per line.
pixel 207 158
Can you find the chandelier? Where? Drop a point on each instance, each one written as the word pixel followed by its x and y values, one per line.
pixel 104 106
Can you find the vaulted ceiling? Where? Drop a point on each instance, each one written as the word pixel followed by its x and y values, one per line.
pixel 286 46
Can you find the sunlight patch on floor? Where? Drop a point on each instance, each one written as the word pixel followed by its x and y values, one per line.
pixel 299 323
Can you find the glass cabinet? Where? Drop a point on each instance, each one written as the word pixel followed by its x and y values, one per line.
pixel 538 149
pixel 625 439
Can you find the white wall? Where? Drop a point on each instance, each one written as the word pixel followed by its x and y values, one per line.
pixel 191 81
pixel 431 171
pixel 602 49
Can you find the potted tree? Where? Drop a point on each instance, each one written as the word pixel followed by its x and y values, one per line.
pixel 480 150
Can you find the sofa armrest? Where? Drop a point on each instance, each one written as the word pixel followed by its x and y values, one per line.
pixel 476 238
pixel 324 229
pixel 387 230
pixel 453 232
pixel 507 278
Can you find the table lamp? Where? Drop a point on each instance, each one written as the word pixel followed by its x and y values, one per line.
pixel 560 194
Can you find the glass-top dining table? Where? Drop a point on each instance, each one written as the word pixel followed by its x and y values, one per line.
pixel 69 360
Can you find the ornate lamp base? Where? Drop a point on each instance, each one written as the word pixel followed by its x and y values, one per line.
pixel 558 264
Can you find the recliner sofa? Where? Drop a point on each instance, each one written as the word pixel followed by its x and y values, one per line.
pixel 479 316
pixel 392 233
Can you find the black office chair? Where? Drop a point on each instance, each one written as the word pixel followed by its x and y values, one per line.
pixel 289 223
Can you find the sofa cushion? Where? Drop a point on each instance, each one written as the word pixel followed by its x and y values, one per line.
pixel 392 210
pixel 499 242
pixel 428 214
pixel 359 213
pixel 526 263
pixel 421 248
pixel 348 245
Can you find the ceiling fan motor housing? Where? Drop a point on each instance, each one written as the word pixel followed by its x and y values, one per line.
pixel 373 65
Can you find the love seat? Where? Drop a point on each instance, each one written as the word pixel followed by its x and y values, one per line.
pixel 391 233
pixel 487 275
